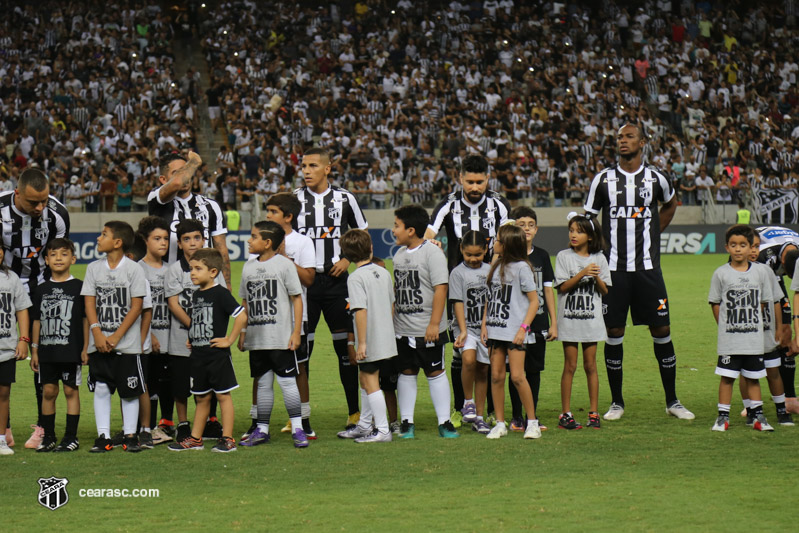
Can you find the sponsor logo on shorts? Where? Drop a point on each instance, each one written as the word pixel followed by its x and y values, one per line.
pixel 604 309
pixel 662 309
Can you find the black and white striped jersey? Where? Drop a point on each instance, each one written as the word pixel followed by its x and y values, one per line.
pixel 195 206
pixel 457 216
pixel 325 218
pixel 630 216
pixel 25 237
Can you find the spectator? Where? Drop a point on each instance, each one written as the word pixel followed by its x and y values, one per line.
pixel 124 194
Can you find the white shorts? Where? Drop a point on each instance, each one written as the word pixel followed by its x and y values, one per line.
pixel 473 342
pixel 213 112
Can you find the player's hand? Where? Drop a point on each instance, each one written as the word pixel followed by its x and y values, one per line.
pixel 793 349
pixel 194 159
pixel 460 340
pixel 35 360
pixel 188 345
pixel 437 243
pixel 431 334
pixel 294 341
pixel 84 357
pixel 552 334
pixel 360 353
pixel 221 342
pixel 521 337
pixel 155 344
pixel 339 268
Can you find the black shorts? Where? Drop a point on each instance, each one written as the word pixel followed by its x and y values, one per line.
pixel 534 354
pixel 8 372
pixel 508 345
pixel 328 295
pixel 122 372
pixel 302 353
pixel 773 358
pixel 70 374
pixel 282 362
pixel 212 372
pixel 750 366
pixel 178 369
pixel 414 353
pixel 642 293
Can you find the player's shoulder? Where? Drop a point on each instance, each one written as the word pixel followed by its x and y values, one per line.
pixel 57 207
pixel 6 197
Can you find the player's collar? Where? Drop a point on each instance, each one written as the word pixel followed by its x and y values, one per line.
pixel 320 194
pixel 470 204
pixel 619 169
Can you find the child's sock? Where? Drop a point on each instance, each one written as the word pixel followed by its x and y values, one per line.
pixel 102 409
pixel 406 396
pixel 291 398
pixel 779 403
pixel 153 411
pixel 439 393
pixel 377 402
pixel 468 402
pixel 747 403
pixel 724 409
pixel 367 415
pixel 72 426
pixel 757 408
pixel 130 415
pixel 48 424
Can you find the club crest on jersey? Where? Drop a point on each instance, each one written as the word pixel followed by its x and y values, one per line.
pixel 41 233
pixel 645 193
pixel 488 224
pixel 631 211
pixel 53 492
pixel 334 212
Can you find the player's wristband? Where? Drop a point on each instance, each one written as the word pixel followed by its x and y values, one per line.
pixel 244 330
pixel 525 327
pixel 25 339
pixel 95 325
pixel 34 345
pixel 350 343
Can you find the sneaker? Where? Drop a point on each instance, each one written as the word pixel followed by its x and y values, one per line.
pixel 497 431
pixel 750 420
pixel 568 422
pixel 300 439
pixel 286 428
pixel 131 444
pixel 541 426
pixel 761 424
pixel 68 444
pixel 355 432
pixel 516 424
pixel 189 443
pixel 447 430
pixel 394 427
pixel 225 445
pixel 353 419
pixel 614 412
pixel 146 440
pixel 168 427
pixel 532 431
pixel 456 418
pixel 255 438
pixel 4 449
pixel 310 435
pixel 306 427
pixel 183 431
pixel 593 421
pixel 469 413
pixel 160 436
pixel 102 444
pixel 213 430
pixel 678 410
pixel 491 419
pixel 48 444
pixel 481 426
pixel 34 441
pixel 722 423
pixel 9 438
pixel 118 439
pixel 785 419
pixel 407 430
pixel 249 431
pixel 375 436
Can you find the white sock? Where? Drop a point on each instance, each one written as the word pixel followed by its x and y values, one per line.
pixel 130 415
pixel 439 393
pixel 468 402
pixel 3 438
pixel 146 430
pixel 406 396
pixel 102 409
pixel 263 427
pixel 778 399
pixel 500 424
pixel 253 411
pixel 305 410
pixel 479 417
pixel 377 403
pixel 296 423
pixel 367 416
pixel 756 404
pixel 747 403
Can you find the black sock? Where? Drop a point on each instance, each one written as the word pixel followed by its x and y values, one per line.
pixel 667 361
pixel 153 413
pixel 788 374
pixel 72 426
pixel 48 424
pixel 306 425
pixel 757 410
pixel 348 374
pixel 38 387
pixel 214 403
pixel 534 380
pixel 515 401
pixel 455 368
pixel 727 413
pixel 614 356
pixel 780 408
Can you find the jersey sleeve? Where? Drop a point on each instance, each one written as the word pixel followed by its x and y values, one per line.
pixel 229 304
pixel 357 293
pixel 714 295
pixel 172 284
pixel 216 222
pixel 88 288
pixel 61 216
pixel 21 298
pixel 355 216
pixel 306 256
pixel 138 282
pixel 456 285
pixel 36 302
pixel 154 201
pixel 666 189
pixel 526 279
pixel 437 263
pixel 596 197
pixel 561 270
pixel 147 303
pixel 292 280
pixel 243 283
pixel 440 214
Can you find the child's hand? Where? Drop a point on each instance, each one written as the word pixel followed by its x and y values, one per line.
pixel 593 270
pixel 113 340
pixel 188 345
pixel 484 335
pixel 221 342
pixel 240 344
pixel 521 337
pixel 100 342
pixel 360 353
pixel 294 341
pixel 460 340
pixel 35 360
pixel 431 333
pixel 84 357
pixel 21 351
pixel 155 344
pixel 552 334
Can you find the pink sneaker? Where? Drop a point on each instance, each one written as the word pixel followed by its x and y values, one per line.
pixel 36 438
pixel 9 438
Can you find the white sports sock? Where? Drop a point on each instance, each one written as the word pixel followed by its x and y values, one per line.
pixel 479 417
pixel 147 430
pixel 778 399
pixel 468 402
pixel 130 415
pixel 747 403
pixel 406 396
pixel 377 403
pixel 3 437
pixel 305 410
pixel 263 427
pixel 756 404
pixel 102 409
pixel 367 416
pixel 500 424
pixel 439 393
pixel 724 407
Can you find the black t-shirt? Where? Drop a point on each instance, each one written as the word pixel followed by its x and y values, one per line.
pixel 542 274
pixel 210 314
pixel 59 308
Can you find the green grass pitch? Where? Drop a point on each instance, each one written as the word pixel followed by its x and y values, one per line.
pixel 647 471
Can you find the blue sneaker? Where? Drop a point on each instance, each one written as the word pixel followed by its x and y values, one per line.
pixel 255 438
pixel 407 430
pixel 300 439
pixel 469 413
pixel 481 426
pixel 447 431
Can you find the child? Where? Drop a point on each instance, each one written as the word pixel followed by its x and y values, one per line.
pixel 283 208
pixel 60 342
pixel 741 290
pixel 468 291
pixel 211 361
pixel 155 232
pixel 545 323
pixel 178 290
pixel 420 293
pixel 510 307
pixel 582 277
pixel 370 297
pixel 13 347
pixel 271 292
pixel 114 290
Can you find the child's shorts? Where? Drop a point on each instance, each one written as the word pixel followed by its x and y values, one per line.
pixel 415 353
pixel 178 368
pixel 122 372
pixel 302 353
pixel 282 362
pixel 535 354
pixel 507 345
pixel 473 342
pixel 749 366
pixel 8 372
pixel 71 374
pixel 212 372
pixel 772 359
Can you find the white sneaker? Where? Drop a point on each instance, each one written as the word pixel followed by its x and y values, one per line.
pixel 533 431
pixel 4 449
pixel 761 424
pixel 722 424
pixel 356 432
pixel 614 412
pixel 500 430
pixel 680 412
pixel 375 436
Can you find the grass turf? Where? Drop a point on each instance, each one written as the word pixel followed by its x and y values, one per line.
pixel 647 471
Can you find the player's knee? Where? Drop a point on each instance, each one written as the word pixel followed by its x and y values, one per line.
pixel 50 392
pixel 569 367
pixel 659 332
pixel 616 332
pixel 5 392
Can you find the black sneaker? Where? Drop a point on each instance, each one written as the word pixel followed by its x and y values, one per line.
pixel 568 422
pixel 167 427
pixel 189 443
pixel 146 440
pixel 68 444
pixel 785 419
pixel 48 444
pixel 213 430
pixel 593 421
pixel 118 439
pixel 131 444
pixel 102 444
pixel 225 445
pixel 183 432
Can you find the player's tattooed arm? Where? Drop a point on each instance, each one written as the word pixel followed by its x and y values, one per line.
pixel 181 178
